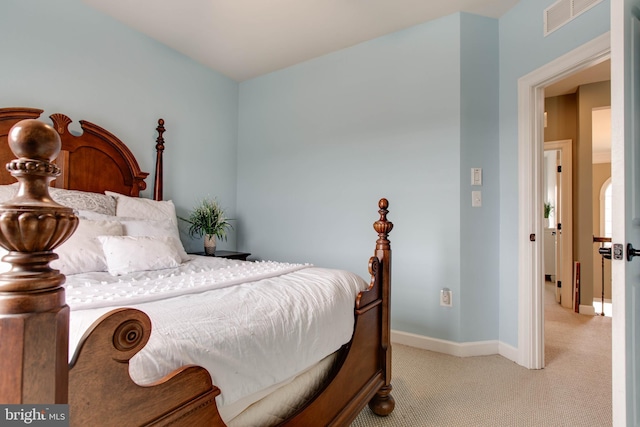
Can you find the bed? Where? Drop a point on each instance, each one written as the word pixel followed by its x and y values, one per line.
pixel 104 362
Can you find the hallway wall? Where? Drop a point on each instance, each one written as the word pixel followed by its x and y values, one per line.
pixel 569 117
pixel 601 173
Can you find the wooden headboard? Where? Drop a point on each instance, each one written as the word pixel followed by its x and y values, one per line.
pixel 81 155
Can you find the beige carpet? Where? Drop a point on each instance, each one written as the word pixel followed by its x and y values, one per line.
pixel 574 389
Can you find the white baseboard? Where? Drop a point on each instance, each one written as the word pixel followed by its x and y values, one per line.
pixel 508 352
pixel 588 310
pixel 466 349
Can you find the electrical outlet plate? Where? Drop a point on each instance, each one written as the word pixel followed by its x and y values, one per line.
pixel 446 298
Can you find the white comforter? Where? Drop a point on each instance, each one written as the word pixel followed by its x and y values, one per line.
pixel 253 326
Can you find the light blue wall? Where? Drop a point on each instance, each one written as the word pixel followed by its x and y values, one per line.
pixel 523 49
pixel 479 149
pixel 62 56
pixel 320 142
pixel 314 146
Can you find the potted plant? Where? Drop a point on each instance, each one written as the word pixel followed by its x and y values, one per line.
pixel 208 219
pixel 548 207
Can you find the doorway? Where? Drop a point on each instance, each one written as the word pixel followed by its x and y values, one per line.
pixel 577 109
pixel 531 90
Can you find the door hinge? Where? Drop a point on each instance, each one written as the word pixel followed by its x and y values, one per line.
pixel 559 226
pixel 559 168
pixel 532 237
pixel 559 284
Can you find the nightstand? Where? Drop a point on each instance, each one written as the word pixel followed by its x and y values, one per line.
pixel 227 254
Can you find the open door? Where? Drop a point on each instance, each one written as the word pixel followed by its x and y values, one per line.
pixel 625 178
pixel 563 216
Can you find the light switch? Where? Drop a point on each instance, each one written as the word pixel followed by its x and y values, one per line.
pixel 476 176
pixel 476 199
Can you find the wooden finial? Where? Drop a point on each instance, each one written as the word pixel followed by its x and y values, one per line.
pixel 158 183
pixel 32 224
pixel 160 138
pixel 383 227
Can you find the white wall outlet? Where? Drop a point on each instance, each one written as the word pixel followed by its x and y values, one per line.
pixel 446 298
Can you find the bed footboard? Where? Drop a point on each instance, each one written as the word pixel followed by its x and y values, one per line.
pixel 101 388
pixel 102 392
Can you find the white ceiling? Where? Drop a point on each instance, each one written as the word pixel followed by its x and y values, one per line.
pixel 243 39
pixel 597 73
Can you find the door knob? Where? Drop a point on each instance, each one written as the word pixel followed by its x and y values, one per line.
pixel 631 252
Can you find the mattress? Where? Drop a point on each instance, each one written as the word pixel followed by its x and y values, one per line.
pixel 254 326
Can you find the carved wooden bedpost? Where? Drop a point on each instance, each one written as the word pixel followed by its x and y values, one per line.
pixel 383 403
pixel 157 184
pixel 34 318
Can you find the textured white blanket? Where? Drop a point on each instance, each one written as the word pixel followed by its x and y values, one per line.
pixel 169 283
pixel 250 336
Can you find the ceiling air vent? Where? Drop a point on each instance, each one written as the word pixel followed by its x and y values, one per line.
pixel 563 11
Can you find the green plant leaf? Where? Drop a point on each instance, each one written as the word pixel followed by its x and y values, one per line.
pixel 208 218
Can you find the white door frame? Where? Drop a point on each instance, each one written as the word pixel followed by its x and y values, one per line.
pixel 530 200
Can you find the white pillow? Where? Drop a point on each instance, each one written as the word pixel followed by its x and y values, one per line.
pixel 136 207
pixel 7 192
pixel 139 227
pixel 126 254
pixel 82 252
pixel 4 266
pixel 95 216
pixel 84 200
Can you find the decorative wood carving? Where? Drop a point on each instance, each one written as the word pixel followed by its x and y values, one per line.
pixel 184 398
pixel 99 149
pixel 157 184
pixel 96 149
pixel 383 403
pixel 34 319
